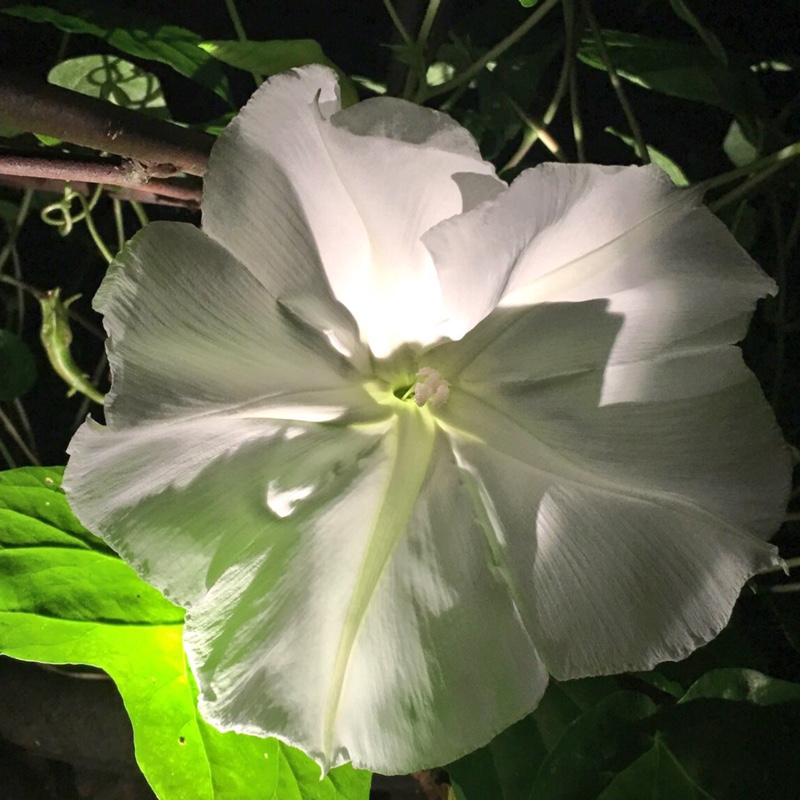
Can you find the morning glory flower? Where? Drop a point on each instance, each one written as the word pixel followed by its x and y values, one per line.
pixel 405 440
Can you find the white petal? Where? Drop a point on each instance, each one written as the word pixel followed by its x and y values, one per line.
pixel 610 575
pixel 535 382
pixel 368 182
pixel 358 621
pixel 131 486
pixel 627 500
pixel 192 331
pixel 624 583
pixel 582 232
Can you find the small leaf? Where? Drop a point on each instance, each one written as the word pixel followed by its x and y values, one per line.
pixel 528 3
pixel 272 57
pixel 66 598
pixel 132 33
pixel 114 79
pixel 739 149
pixel 745 685
pixel 17 367
pixel 657 157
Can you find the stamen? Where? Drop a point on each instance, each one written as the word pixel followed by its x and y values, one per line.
pixel 431 389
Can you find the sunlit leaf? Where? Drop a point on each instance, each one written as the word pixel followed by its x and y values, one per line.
pixel 66 598
pixel 17 367
pixel 133 33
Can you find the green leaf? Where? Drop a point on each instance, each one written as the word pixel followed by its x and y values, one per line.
pixel 657 157
pixel 114 79
pixel 679 70
pixel 745 685
pixel 506 768
pixel 134 34
pixel 528 3
pixel 738 147
pixel 599 743
pixel 734 750
pixel 66 598
pixel 272 57
pixel 17 367
pixel 654 776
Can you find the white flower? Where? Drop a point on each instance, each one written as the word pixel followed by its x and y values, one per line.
pixel 404 440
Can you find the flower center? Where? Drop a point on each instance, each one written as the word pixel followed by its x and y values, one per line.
pixel 432 388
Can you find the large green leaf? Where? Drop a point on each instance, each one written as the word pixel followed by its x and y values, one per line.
pixel 654 776
pixel 676 69
pixel 66 598
pixel 506 768
pixel 272 57
pixel 134 34
pixel 114 79
pixel 734 750
pixel 599 743
pixel 17 367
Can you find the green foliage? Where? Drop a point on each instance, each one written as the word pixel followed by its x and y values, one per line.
pixel 17 367
pixel 587 740
pixel 679 70
pixel 269 58
pixel 746 685
pixel 656 156
pixel 114 79
pixel 134 34
pixel 656 775
pixel 65 598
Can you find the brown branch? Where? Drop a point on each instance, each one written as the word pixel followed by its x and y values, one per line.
pixel 31 105
pixel 128 174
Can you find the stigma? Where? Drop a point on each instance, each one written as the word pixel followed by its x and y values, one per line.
pixel 432 388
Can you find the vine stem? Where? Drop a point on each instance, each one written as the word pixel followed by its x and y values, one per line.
pixel 616 83
pixel 238 29
pixel 763 167
pixel 491 55
pixel 20 442
pixel 35 106
pixel 398 23
pixel 127 174
pixel 22 215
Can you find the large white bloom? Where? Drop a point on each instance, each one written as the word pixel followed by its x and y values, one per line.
pixel 404 440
